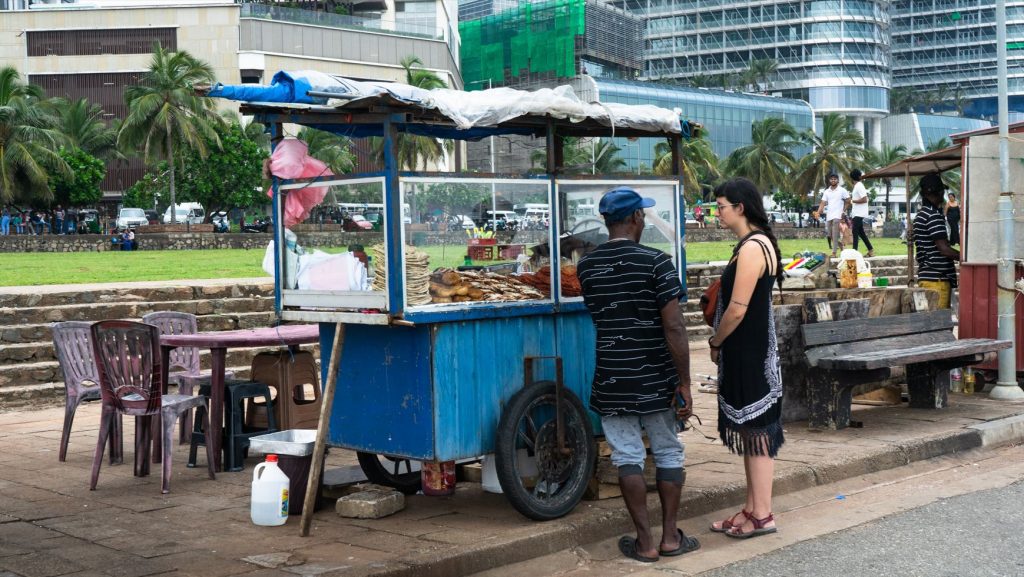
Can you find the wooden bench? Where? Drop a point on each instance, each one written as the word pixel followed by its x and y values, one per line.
pixel 843 354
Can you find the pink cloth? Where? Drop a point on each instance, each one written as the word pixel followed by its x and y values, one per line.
pixel 290 160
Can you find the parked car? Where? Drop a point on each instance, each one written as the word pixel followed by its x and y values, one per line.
pixel 356 223
pixel 461 221
pixel 186 212
pixel 131 217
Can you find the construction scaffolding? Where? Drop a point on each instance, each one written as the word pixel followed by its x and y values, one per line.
pixel 547 41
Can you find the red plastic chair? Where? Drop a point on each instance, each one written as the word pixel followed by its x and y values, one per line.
pixel 187 358
pixel 73 345
pixel 129 364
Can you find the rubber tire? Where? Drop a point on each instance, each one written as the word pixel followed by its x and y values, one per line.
pixel 407 483
pixel 505 453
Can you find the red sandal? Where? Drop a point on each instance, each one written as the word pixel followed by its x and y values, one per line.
pixel 736 531
pixel 728 523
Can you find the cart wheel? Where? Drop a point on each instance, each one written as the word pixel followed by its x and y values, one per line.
pixel 391 471
pixel 540 482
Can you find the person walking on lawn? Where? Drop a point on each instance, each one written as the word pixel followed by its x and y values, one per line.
pixel 833 206
pixel 642 376
pixel 860 210
pixel 746 352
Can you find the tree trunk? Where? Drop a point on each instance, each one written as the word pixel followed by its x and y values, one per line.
pixel 170 185
pixel 888 188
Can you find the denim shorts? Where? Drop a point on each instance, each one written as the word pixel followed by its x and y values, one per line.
pixel 624 434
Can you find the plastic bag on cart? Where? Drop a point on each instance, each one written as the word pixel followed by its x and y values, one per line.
pixel 291 264
pixel 323 271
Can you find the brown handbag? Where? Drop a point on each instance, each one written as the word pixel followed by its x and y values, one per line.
pixel 709 301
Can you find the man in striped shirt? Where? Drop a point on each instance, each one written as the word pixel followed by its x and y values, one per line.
pixel 936 268
pixel 643 366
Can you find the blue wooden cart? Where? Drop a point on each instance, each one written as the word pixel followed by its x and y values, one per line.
pixel 457 378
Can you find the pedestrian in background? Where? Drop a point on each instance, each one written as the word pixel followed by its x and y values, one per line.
pixel 5 222
pixel 952 211
pixel 58 220
pixel 746 352
pixel 643 367
pixel 936 260
pixel 833 206
pixel 859 211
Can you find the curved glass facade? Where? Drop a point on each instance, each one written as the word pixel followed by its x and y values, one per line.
pixel 834 50
pixel 727 116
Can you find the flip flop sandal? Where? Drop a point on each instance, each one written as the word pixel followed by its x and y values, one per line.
pixel 758 530
pixel 686 544
pixel 627 545
pixel 728 524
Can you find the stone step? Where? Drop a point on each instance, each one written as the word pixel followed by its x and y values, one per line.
pixel 132 310
pixel 41 395
pixel 43 298
pixel 36 373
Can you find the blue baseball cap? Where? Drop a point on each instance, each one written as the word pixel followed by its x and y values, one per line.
pixel 619 203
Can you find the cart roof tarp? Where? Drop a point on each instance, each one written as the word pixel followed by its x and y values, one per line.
pixel 457 114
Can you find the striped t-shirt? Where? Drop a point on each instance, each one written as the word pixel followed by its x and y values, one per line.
pixel 625 286
pixel 929 225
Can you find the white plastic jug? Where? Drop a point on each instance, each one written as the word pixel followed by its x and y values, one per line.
pixel 270 489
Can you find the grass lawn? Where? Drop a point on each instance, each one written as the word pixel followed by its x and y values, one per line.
pixel 44 268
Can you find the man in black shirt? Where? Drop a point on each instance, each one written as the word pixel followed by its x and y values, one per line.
pixel 643 366
pixel 936 268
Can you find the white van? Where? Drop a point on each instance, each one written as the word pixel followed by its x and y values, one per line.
pixel 190 212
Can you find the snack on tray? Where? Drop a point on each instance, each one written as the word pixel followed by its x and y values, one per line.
pixel 541 280
pixel 417 274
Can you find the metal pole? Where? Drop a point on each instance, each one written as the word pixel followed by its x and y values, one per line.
pixel 1006 387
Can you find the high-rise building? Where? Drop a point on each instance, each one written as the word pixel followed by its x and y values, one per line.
pixel 948 48
pixel 831 53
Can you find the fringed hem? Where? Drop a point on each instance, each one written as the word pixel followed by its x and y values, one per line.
pixel 758 442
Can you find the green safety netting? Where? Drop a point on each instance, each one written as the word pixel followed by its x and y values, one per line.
pixel 532 39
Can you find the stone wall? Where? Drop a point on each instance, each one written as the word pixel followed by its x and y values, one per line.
pixel 312 236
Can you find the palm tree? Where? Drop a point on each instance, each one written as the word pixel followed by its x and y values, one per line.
pixel 838 150
pixel 700 80
pixel 605 157
pixel 768 159
pixel 165 113
pixel 748 79
pixel 29 141
pixel 333 150
pixel 762 69
pixel 83 125
pixel 410 149
pixel 902 100
pixel 698 163
pixel 879 158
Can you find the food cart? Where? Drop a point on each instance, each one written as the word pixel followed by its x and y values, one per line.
pixel 447 356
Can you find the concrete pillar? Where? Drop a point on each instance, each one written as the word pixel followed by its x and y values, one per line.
pixel 876 133
pixel 858 123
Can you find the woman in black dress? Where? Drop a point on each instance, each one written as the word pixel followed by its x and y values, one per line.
pixel 953 219
pixel 746 352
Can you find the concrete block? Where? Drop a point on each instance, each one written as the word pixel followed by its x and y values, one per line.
pixel 370 504
pixel 1001 431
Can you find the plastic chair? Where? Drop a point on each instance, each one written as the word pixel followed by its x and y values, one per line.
pixel 73 345
pixel 236 434
pixel 130 373
pixel 186 358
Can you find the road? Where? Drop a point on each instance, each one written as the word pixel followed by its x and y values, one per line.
pixel 950 516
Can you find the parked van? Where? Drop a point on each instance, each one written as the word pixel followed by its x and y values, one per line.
pixel 190 212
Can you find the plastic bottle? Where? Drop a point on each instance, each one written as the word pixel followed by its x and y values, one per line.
pixel 270 490
pixel 956 381
pixel 969 381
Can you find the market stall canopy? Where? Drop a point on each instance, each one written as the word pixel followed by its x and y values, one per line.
pixel 920 165
pixel 457 114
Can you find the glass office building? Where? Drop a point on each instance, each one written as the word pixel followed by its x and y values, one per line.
pixel 832 53
pixel 948 47
pixel 726 116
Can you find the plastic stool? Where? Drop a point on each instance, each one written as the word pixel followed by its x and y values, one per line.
pixel 236 435
pixel 290 375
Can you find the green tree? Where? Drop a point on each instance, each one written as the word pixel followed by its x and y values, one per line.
pixel 762 69
pixel 876 159
pixel 29 142
pixel 838 149
pixel 605 157
pixel 82 186
pixel 578 157
pixel 333 150
pixel 83 125
pixel 698 163
pixel 165 114
pixel 410 149
pixel 700 81
pixel 902 100
pixel 768 160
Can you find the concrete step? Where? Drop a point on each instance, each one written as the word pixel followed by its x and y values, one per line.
pixel 131 310
pixel 10 298
pixel 37 373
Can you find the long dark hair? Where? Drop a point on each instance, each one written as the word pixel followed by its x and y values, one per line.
pixel 743 191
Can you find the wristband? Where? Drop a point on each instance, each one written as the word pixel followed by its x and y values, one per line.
pixel 713 345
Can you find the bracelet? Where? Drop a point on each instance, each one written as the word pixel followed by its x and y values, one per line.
pixel 713 345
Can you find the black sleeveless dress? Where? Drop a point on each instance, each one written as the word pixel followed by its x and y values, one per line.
pixel 749 375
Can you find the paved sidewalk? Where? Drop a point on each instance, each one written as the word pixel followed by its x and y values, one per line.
pixel 51 524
